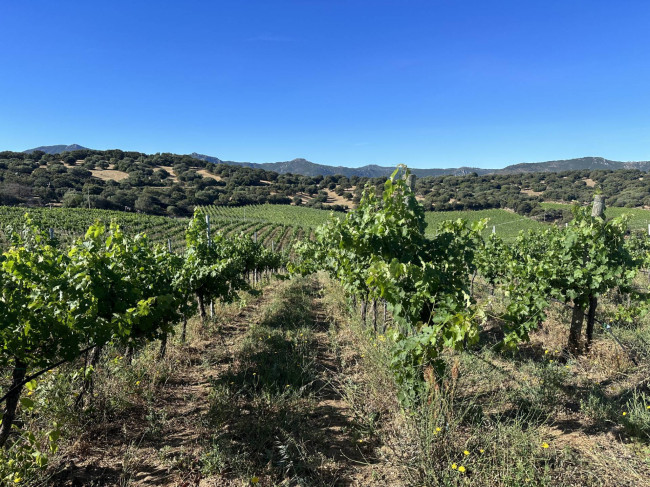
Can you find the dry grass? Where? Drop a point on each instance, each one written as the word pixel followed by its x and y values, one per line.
pixel 256 393
pixel 109 174
pixel 501 408
pixel 291 388
pixel 335 199
pixel 171 172
pixel 147 422
pixel 530 192
pixel 206 174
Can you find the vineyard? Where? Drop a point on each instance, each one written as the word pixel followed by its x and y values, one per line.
pixel 502 222
pixel 280 224
pixel 638 219
pixel 275 225
pixel 279 345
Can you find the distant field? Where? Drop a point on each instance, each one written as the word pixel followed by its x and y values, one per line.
pixel 278 228
pixel 279 214
pixel 506 224
pixel 69 223
pixel 275 225
pixel 639 218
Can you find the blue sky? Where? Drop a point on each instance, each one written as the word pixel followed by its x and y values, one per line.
pixel 426 83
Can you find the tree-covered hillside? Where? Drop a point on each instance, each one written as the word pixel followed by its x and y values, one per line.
pixel 158 184
pixel 172 184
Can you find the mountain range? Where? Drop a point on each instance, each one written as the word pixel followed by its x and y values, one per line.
pixel 307 168
pixel 56 149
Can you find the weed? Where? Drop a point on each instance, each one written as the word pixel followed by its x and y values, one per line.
pixel 637 415
pixel 129 466
pixel 155 421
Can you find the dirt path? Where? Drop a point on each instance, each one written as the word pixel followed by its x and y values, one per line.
pixel 212 421
pixel 288 422
pixel 157 441
pixel 343 441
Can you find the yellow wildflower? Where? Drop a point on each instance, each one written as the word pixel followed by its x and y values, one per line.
pixel 466 452
pixel 255 480
pixel 461 469
pixel 624 413
pixel 481 450
pixel 544 445
pixel 454 466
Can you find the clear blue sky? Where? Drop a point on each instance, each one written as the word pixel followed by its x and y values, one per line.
pixel 427 83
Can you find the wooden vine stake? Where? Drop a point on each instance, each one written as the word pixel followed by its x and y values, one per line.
pixel 578 315
pixel 597 211
pixel 374 314
pixel 255 277
pixel 207 227
pixel 598 208
pixel 410 181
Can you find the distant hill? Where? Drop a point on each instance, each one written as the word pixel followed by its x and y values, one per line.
pixel 56 149
pixel 307 168
pixel 591 163
pixel 174 184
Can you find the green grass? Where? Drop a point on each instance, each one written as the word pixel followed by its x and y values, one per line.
pixel 274 377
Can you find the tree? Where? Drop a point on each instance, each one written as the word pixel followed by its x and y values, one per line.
pixel 147 203
pixel 73 199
